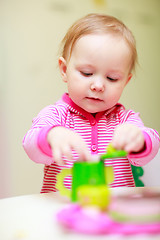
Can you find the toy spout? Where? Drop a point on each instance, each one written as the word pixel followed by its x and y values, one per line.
pixel 113 153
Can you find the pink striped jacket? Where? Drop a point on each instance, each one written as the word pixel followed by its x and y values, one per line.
pixel 96 131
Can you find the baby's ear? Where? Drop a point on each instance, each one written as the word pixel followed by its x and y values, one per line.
pixel 63 68
pixel 129 77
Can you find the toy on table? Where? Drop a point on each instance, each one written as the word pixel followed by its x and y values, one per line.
pixel 86 174
pixel 132 213
pixel 91 210
pixel 93 173
pixel 90 180
pixel 140 206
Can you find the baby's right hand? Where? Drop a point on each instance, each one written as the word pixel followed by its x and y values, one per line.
pixel 63 141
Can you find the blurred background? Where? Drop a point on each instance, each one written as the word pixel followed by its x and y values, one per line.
pixel 31 31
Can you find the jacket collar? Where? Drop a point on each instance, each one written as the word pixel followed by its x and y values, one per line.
pixel 78 110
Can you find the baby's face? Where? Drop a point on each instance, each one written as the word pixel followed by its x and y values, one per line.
pixel 97 71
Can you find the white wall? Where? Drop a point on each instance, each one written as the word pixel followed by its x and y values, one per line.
pixel 30 80
pixel 151 176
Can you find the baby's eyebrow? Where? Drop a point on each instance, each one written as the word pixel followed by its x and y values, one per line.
pixel 85 65
pixel 116 73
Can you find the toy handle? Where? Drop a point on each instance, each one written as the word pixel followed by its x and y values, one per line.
pixel 109 174
pixel 60 182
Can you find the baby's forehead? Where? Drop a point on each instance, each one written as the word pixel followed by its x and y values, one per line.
pixel 95 37
pixel 96 42
pixel 108 49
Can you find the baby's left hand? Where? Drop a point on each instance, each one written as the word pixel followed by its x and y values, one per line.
pixel 129 138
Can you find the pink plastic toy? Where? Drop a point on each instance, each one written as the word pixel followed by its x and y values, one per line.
pixel 90 221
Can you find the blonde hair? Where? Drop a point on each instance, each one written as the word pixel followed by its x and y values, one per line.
pixel 98 23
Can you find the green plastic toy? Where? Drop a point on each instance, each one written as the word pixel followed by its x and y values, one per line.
pixel 94 173
pixel 137 172
pixel 113 153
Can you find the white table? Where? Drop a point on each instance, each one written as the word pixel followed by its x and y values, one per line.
pixel 33 217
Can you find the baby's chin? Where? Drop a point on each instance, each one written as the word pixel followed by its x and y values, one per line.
pixel 102 110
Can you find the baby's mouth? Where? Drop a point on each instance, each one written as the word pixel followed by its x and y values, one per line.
pixel 94 99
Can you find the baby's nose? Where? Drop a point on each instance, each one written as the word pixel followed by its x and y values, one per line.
pixel 97 85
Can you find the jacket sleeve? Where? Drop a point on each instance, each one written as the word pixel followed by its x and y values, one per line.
pixel 151 137
pixel 35 141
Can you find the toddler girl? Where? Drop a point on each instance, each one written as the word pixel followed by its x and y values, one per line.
pixel 98 58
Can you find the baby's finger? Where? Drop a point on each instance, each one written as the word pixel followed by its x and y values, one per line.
pixel 119 141
pixel 67 152
pixel 83 152
pixel 136 145
pixel 86 156
pixel 131 147
pixel 58 156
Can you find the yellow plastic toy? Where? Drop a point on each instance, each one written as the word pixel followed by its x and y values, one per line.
pixel 97 196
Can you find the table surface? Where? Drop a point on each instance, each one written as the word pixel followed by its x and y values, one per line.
pixel 33 217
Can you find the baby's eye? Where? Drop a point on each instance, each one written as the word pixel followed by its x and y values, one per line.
pixel 112 79
pixel 86 74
